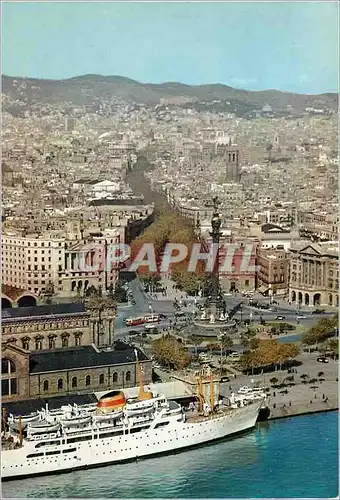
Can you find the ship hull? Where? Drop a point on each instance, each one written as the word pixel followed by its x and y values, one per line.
pixel 96 453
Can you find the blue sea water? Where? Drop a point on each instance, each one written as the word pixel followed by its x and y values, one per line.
pixel 295 457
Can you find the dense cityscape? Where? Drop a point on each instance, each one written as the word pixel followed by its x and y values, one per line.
pixel 96 346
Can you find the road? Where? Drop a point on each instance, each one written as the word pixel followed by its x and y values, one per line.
pixel 145 304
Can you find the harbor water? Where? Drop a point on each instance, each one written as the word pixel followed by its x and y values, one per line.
pixel 294 457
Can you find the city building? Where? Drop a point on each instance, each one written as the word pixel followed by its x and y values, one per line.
pixel 76 370
pixel 272 271
pixel 58 325
pixel 314 274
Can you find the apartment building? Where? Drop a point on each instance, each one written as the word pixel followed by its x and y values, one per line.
pixel 69 264
pixel 272 270
pixel 31 262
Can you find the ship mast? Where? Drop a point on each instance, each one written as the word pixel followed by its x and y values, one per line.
pixel 20 430
pixel 142 395
pixel 4 426
pixel 200 393
pixel 212 395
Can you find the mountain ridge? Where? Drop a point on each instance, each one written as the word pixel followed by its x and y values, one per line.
pixel 91 88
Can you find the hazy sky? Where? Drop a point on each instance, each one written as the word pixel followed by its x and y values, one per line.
pixel 287 46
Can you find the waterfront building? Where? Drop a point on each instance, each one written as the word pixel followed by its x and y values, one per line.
pixel 85 369
pixel 314 274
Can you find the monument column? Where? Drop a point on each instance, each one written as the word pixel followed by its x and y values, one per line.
pixel 215 235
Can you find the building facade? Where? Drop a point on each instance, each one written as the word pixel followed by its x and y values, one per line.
pixel 56 326
pixel 35 263
pixel 314 275
pixel 272 271
pixel 68 371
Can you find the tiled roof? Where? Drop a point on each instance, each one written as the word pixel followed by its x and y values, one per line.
pixel 44 310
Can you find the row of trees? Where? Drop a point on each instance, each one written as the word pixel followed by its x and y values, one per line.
pixel 265 353
pixel 172 228
pixel 320 332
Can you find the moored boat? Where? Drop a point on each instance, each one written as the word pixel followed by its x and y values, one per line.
pixel 157 426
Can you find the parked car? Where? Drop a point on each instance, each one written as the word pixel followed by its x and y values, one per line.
pixel 322 359
pixel 301 317
pixel 280 318
pixel 134 332
pixel 318 311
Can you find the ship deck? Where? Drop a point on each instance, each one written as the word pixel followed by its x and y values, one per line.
pixel 195 417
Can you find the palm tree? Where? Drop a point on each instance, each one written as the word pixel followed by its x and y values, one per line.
pixel 273 381
pixel 320 374
pixel 304 376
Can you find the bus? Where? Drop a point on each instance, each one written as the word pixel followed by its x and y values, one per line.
pixel 135 321
pixel 142 320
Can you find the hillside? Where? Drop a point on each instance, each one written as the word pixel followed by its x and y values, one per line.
pixel 89 90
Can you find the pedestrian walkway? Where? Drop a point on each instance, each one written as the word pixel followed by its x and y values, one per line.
pixel 171 293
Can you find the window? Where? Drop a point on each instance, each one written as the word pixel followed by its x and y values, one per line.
pixel 26 343
pixel 88 380
pixel 38 343
pixel 7 366
pixel 74 382
pixel 246 283
pixel 115 377
pixel 60 384
pixel 45 386
pixel 8 386
pixel 64 340
pixel 51 342
pixel 101 379
pixel 128 376
pixel 77 339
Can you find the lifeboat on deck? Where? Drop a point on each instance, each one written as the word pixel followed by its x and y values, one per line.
pixel 112 401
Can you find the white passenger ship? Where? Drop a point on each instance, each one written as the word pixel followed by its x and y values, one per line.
pixel 116 430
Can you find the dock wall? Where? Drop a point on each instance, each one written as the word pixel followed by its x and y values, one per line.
pixel 286 411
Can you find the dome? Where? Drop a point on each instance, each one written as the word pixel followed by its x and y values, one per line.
pixel 112 401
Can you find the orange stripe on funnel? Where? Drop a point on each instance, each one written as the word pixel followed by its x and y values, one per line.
pixel 110 402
